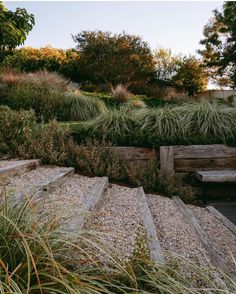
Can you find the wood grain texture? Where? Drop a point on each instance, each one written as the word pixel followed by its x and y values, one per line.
pixel 204 151
pixel 150 228
pixel 17 167
pixel 191 165
pixel 166 160
pixel 135 153
pixel 210 246
pixel 83 215
pixel 36 192
pixel 222 218
pixel 53 182
pixel 213 176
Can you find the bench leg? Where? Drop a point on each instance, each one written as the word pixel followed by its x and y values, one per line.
pixel 204 194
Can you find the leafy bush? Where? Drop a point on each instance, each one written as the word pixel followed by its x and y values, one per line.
pixel 46 94
pixel 49 142
pixel 12 125
pixel 28 59
pixel 45 102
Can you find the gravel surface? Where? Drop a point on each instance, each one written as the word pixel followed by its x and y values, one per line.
pixel 5 163
pixel 174 232
pixel 221 236
pixel 62 204
pixel 34 177
pixel 118 220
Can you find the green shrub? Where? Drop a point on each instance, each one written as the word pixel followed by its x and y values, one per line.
pixel 41 100
pixel 192 123
pixel 13 125
pixel 49 103
pixel 48 142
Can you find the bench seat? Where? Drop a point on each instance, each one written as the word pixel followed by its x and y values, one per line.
pixel 219 176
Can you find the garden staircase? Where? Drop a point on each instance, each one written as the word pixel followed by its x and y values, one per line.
pixel 120 215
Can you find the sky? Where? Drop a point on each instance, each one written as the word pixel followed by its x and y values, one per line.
pixel 176 25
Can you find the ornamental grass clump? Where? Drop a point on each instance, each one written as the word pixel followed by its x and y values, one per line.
pixel 114 124
pixel 81 108
pixel 164 124
pixel 120 94
pixel 34 257
pixel 41 79
pixel 45 79
pixel 209 122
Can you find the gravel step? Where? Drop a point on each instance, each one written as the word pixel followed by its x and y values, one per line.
pixel 36 181
pixel 65 204
pixel 222 218
pixel 117 220
pixel 84 213
pixel 218 233
pixel 174 233
pixel 151 233
pixel 13 167
pixel 214 252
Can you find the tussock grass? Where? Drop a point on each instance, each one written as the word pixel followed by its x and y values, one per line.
pixel 42 79
pixel 120 94
pixel 37 258
pixel 163 122
pixel 81 108
pixel 115 123
pixel 206 121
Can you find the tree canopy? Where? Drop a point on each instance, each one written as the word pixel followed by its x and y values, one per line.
pixel 219 53
pixel 191 76
pixel 14 28
pixel 114 58
pixel 166 63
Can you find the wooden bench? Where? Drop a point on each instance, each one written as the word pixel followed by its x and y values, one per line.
pixel 209 165
pixel 215 176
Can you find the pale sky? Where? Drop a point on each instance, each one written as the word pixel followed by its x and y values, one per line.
pixel 176 25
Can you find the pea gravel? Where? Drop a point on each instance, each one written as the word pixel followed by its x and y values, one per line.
pixel 6 163
pixel 174 232
pixel 221 236
pixel 118 220
pixel 34 177
pixel 62 205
